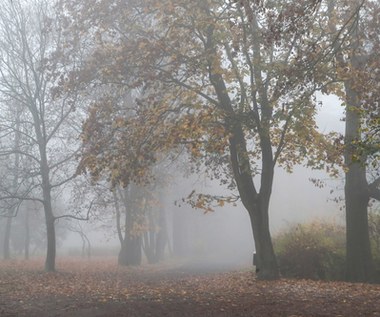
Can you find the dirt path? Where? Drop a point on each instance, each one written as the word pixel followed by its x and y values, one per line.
pixel 100 288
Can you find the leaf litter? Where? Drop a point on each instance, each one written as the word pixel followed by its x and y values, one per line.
pixel 100 287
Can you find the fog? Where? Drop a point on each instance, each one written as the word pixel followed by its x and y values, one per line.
pixel 178 158
pixel 223 238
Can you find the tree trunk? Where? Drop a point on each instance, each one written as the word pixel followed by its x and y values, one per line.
pixel 130 252
pixel 257 204
pixel 266 263
pixel 359 267
pixel 83 245
pixel 7 238
pixel 51 244
pixel 359 264
pixel 27 237
pixel 149 246
pixel 161 238
pixel 150 239
pixel 88 247
pixel 131 245
pixel 11 214
pixel 49 220
pixel 46 191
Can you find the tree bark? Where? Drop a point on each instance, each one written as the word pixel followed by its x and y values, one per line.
pixel 257 204
pixel 51 243
pixel 359 263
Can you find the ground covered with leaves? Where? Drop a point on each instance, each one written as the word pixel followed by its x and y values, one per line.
pixel 95 288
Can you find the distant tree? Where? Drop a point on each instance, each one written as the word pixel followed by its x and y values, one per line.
pixel 155 235
pixel 86 244
pixel 144 227
pixel 131 241
pixel 14 182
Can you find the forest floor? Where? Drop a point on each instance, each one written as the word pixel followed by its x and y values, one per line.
pixel 98 287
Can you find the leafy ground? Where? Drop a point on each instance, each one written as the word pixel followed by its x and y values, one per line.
pixel 100 288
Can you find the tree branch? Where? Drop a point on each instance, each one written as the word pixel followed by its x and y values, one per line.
pixel 76 217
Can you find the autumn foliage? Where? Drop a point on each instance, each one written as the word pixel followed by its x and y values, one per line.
pixel 231 82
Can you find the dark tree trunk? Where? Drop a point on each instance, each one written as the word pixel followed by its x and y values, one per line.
pixel 266 263
pixel 257 204
pixel 51 244
pixel 359 264
pixel 50 222
pixel 130 252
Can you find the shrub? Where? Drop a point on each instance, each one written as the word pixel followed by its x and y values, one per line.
pixel 314 251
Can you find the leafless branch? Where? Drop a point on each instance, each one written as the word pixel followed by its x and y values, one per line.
pixel 76 217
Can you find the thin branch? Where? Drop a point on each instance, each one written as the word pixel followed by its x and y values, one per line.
pixel 76 217
pixel 6 153
pixel 64 181
pixel 198 92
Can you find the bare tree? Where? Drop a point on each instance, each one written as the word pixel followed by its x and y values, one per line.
pixel 49 122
